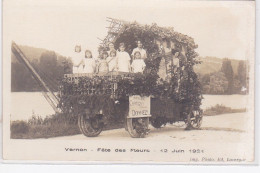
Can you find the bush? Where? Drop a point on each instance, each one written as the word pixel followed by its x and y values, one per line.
pixel 48 131
pixel 18 127
pixel 221 109
pixel 51 126
pixel 214 83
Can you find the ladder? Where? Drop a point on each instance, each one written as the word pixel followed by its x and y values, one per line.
pixel 115 28
pixel 47 93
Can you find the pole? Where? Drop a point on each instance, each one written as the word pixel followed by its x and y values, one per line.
pixel 52 99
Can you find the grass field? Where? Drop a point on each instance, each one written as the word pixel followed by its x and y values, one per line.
pixel 52 126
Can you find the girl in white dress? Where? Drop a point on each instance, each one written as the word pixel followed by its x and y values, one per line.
pixel 138 64
pixel 88 63
pixel 123 59
pixel 140 49
pixel 76 59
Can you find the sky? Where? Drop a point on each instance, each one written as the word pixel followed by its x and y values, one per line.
pixel 221 29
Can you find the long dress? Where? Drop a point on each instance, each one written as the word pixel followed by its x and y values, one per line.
pixel 138 66
pixel 76 60
pixel 89 65
pixel 123 62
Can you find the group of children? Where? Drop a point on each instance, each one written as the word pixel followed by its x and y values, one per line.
pixel 112 60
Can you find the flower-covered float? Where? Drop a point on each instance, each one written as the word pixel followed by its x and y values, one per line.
pixel 162 94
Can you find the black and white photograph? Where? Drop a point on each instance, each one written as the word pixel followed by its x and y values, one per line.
pixel 165 82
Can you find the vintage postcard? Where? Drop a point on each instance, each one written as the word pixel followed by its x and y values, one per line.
pixel 162 82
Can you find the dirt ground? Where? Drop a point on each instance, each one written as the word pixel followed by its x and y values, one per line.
pixel 220 128
pixel 221 139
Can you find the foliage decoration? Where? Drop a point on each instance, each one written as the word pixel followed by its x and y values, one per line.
pixel 105 92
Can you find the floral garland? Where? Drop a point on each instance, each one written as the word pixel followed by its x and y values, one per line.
pixel 106 94
pixel 100 93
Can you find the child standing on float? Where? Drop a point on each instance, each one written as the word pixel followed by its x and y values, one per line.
pixel 111 48
pixel 103 64
pixel 138 63
pixel 140 49
pixel 76 59
pixel 112 61
pixel 123 59
pixel 88 63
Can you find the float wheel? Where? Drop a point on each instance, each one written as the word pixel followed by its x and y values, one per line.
pixel 90 127
pixel 137 127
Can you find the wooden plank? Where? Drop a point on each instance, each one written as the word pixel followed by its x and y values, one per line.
pixel 19 54
pixel 50 102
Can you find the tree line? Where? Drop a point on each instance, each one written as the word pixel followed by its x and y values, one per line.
pixel 50 66
pixel 225 81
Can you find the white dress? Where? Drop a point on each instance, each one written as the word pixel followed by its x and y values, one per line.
pixel 138 65
pixel 123 61
pixel 76 59
pixel 89 65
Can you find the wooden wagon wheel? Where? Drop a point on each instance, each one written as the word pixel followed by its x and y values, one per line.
pixel 137 127
pixel 90 127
